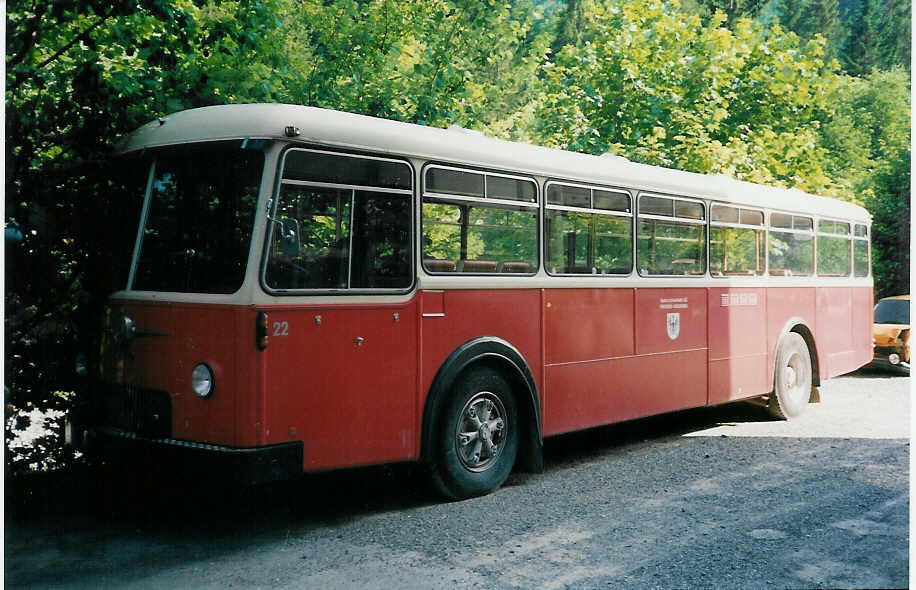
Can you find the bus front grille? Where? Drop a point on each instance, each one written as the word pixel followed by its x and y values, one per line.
pixel 146 412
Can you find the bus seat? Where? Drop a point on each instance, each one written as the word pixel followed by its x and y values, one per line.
pixel 439 265
pixel 513 266
pixel 476 266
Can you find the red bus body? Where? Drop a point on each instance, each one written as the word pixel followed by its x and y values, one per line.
pixel 598 356
pixel 347 380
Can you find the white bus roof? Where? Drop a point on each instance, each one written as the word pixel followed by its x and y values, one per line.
pixel 323 127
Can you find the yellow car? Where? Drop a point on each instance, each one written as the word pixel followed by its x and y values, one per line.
pixel 891 333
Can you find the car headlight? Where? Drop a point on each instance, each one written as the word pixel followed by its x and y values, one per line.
pixel 202 380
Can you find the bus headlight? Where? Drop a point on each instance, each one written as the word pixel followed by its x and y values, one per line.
pixel 202 380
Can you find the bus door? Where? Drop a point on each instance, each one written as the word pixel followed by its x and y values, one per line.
pixel 340 363
pixel 341 378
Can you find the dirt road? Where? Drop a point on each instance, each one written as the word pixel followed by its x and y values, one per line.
pixel 711 498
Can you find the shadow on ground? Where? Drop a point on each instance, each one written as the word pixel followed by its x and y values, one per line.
pixel 146 497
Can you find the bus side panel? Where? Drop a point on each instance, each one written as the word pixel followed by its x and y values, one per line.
pixel 584 330
pixel 863 315
pixel 737 344
pixel 835 322
pixel 671 320
pixel 587 324
pixel 602 392
pixel 668 371
pixel 671 324
pixel 342 378
pixel 784 303
pixel 459 316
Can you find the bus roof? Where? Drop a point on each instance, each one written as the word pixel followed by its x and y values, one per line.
pixel 323 127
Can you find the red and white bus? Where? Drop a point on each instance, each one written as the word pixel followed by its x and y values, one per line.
pixel 312 290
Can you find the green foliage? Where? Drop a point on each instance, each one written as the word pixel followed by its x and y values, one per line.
pixel 667 90
pixel 433 62
pixel 868 139
pixel 78 75
pixel 864 35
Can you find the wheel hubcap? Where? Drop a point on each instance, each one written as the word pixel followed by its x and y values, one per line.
pixel 481 431
pixel 795 375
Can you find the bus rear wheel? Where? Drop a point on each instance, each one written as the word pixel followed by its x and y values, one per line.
pixel 477 436
pixel 792 381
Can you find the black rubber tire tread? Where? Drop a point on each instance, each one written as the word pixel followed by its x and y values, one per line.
pixel 780 404
pixel 449 476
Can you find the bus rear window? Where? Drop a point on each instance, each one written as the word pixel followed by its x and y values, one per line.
pixel 198 226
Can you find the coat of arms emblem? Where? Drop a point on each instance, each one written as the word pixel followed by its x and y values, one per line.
pixel 674 325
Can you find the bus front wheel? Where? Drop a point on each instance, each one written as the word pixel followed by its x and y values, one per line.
pixel 477 436
pixel 792 381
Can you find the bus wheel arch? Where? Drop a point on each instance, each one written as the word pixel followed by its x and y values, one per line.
pixel 482 355
pixel 804 331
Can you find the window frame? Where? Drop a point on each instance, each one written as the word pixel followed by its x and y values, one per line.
pixel 812 232
pixel 591 210
pixel 764 227
pixel 687 220
pixel 273 203
pixel 849 249
pixel 867 239
pixel 484 201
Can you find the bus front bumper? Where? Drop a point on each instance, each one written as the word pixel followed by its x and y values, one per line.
pixel 192 461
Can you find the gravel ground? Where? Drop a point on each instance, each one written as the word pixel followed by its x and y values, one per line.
pixel 710 498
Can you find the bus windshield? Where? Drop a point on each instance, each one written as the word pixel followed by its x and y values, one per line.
pixel 892 311
pixel 200 218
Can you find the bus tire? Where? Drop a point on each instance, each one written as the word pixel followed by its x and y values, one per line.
pixel 792 380
pixel 478 435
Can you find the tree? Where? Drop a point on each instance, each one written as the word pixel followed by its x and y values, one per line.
pixel 662 88
pixel 433 62
pixel 79 74
pixel 869 143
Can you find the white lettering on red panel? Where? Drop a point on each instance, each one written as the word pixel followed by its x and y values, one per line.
pixel 738 300
pixel 672 303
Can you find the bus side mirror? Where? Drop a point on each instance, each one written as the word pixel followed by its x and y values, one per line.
pixel 289 236
pixel 288 229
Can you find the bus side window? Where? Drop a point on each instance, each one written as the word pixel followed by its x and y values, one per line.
pixel 860 259
pixel 834 258
pixel 354 229
pixel 671 238
pixel 589 230
pixel 479 222
pixel 736 241
pixel 791 245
